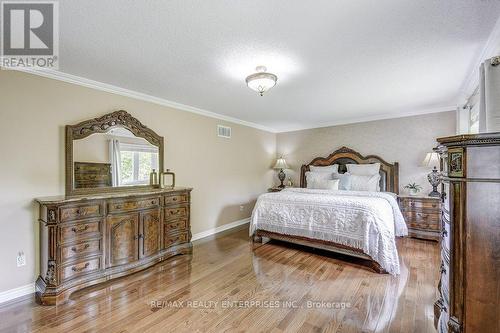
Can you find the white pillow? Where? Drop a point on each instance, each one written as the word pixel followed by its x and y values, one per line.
pixel 364 169
pixel 330 168
pixel 332 184
pixel 365 183
pixel 325 184
pixel 314 179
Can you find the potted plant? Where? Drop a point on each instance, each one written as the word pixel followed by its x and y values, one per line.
pixel 413 188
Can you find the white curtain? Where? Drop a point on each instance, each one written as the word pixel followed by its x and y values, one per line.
pixel 489 95
pixel 114 152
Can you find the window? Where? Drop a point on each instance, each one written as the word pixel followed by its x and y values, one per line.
pixel 137 162
pixel 474 119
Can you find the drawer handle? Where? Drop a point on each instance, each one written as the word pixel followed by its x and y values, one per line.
pixel 412 204
pixel 81 212
pixel 76 269
pixel 174 199
pixel 81 229
pixel 175 212
pixel 434 205
pixel 424 216
pixel 74 249
pixel 153 202
pixel 118 207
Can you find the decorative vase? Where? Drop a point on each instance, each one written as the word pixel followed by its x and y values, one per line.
pixel 434 179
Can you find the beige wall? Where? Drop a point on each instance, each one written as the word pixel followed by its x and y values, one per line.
pixel 33 111
pixel 403 140
pixel 94 148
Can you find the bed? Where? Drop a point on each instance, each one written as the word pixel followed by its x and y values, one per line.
pixel 361 224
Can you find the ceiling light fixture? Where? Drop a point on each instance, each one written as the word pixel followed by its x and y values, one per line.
pixel 261 81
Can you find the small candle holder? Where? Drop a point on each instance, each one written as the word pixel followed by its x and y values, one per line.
pixel 163 184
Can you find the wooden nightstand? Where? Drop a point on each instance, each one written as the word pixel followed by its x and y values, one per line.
pixel 422 215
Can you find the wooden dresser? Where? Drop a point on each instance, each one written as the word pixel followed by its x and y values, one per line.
pixel 422 216
pixel 90 239
pixel 469 287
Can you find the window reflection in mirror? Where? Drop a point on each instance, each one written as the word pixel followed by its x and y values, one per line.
pixel 116 158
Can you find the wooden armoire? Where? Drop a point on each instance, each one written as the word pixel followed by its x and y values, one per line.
pixel 469 288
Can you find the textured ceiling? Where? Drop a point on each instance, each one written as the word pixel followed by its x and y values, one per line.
pixel 336 61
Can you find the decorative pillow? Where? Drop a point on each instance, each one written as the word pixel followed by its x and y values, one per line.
pixel 326 184
pixel 365 183
pixel 364 169
pixel 330 168
pixel 344 180
pixel 314 179
pixel 331 184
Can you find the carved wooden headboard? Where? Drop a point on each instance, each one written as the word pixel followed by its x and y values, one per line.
pixel 389 173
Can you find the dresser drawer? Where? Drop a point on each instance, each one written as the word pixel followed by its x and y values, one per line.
pixel 80 268
pixel 128 205
pixel 177 238
pixel 175 225
pixel 423 220
pixel 419 203
pixel 176 212
pixel 70 213
pixel 74 251
pixel 176 199
pixel 92 168
pixel 79 231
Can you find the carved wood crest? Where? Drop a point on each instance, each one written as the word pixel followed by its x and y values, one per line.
pixel 118 118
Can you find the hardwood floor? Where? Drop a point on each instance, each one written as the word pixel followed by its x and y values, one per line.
pixel 286 279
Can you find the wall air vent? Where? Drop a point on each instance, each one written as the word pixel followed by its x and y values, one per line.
pixel 224 131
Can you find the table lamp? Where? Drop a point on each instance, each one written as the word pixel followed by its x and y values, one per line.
pixel 281 164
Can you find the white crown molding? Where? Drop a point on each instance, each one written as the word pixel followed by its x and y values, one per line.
pixel 81 81
pixel 386 116
pixel 491 49
pixel 11 294
pixel 222 228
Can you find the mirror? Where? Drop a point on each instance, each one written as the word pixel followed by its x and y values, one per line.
pixel 111 153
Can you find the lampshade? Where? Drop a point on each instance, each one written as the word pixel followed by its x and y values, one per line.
pixel 261 81
pixel 280 164
pixel 431 160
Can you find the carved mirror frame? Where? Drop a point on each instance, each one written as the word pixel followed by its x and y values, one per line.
pixel 103 124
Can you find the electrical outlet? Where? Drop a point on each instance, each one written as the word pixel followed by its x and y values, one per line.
pixel 242 208
pixel 21 259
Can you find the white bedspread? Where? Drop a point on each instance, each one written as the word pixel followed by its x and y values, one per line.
pixel 368 221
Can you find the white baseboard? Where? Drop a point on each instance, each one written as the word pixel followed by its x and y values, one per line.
pixel 8 295
pixel 222 228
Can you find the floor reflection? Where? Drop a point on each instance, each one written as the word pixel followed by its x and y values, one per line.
pixel 370 295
